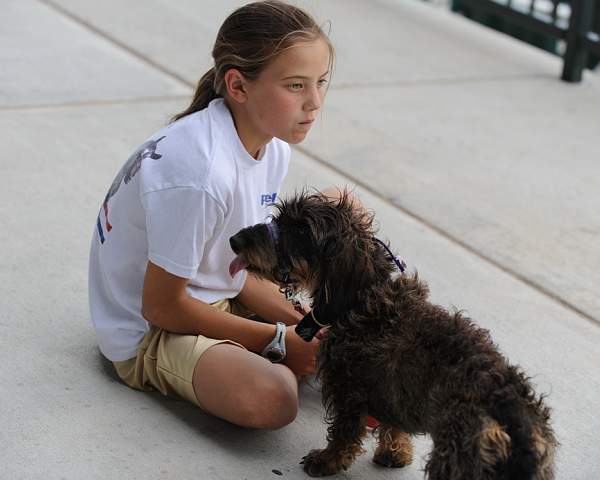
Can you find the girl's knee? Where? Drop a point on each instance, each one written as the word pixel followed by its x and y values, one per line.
pixel 273 403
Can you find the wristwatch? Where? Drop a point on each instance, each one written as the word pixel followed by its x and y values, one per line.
pixel 275 351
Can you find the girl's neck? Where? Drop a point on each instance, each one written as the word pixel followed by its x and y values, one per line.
pixel 252 141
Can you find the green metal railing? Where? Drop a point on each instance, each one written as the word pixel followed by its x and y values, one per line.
pixel 579 31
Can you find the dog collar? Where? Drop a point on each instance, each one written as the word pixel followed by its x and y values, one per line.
pixel 273 230
pixel 401 264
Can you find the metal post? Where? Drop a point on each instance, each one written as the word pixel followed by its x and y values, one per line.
pixel 576 55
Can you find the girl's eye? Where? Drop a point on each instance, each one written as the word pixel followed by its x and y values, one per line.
pixel 295 86
pixel 322 82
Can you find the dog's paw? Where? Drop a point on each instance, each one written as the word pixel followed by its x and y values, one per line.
pixel 395 448
pixel 391 459
pixel 318 464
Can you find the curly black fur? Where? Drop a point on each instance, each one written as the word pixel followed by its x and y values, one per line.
pixel 390 353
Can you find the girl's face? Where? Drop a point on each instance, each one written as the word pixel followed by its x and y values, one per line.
pixel 284 100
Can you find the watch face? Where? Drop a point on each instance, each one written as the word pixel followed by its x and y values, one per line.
pixel 275 354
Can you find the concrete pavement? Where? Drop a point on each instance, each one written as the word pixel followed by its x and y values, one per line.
pixel 482 168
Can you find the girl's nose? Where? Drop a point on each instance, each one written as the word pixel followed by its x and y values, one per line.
pixel 313 102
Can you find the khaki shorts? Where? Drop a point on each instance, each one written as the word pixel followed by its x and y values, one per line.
pixel 166 361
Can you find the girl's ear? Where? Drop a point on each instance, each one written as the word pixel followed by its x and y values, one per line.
pixel 235 84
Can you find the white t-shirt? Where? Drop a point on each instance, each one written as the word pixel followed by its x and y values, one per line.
pixel 176 202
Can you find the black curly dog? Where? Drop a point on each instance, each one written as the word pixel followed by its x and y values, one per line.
pixel 390 353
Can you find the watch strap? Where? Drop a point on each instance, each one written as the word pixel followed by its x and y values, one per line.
pixel 275 350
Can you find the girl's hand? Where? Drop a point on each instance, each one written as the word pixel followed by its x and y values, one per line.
pixel 322 334
pixel 301 356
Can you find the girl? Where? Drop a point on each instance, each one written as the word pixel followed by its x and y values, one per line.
pixel 165 309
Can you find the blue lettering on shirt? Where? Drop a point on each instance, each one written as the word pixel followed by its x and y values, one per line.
pixel 267 199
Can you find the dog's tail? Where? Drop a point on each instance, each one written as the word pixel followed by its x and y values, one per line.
pixel 522 420
pixel 512 440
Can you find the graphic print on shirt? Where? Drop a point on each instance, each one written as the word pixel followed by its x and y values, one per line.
pixel 268 199
pixel 129 170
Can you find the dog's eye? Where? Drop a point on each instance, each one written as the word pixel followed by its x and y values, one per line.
pixel 282 275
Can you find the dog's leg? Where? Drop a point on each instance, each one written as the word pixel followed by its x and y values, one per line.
pixel 394 447
pixel 345 444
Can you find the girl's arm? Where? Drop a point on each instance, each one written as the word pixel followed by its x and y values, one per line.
pixel 166 304
pixel 263 298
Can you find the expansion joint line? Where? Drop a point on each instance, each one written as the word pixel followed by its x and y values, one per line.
pixel 139 55
pixel 465 246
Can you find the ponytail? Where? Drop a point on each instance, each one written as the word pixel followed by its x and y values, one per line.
pixel 205 93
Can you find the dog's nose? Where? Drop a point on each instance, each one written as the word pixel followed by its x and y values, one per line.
pixel 235 244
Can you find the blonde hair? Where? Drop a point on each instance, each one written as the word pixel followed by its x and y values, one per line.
pixel 250 38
